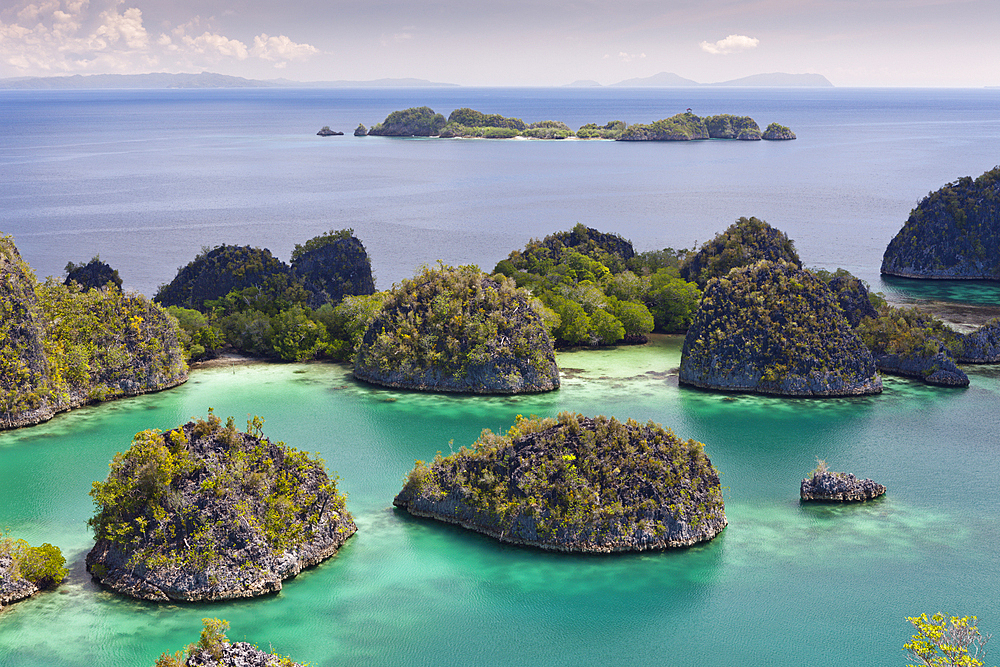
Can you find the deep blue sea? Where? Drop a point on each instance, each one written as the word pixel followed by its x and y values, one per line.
pixel 146 178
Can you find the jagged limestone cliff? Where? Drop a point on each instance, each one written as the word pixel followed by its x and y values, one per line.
pixel 953 233
pixel 62 347
pixel 773 328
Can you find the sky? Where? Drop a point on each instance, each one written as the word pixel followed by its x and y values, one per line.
pixel 932 43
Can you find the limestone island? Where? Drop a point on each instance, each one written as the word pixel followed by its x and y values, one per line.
pixel 952 234
pixel 206 512
pixel 982 346
pixel 26 570
pixel 773 328
pixel 575 484
pixel 325 131
pixel 215 650
pixel 745 242
pixel 63 346
pixel 458 330
pixel 837 487
pixel 469 123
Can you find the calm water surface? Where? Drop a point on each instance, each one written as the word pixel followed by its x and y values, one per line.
pixel 145 178
pixel 785 584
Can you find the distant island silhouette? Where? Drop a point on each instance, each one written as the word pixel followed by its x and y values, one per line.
pixel 161 80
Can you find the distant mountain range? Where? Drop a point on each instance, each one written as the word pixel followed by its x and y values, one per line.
pixel 210 80
pixel 202 80
pixel 669 79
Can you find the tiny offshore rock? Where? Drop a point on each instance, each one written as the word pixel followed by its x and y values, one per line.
pixel 206 512
pixel 575 484
pixel 455 329
pixel 827 486
pixel 327 132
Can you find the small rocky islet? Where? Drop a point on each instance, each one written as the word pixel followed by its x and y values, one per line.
pixel 827 486
pixel 25 570
pixel 574 483
pixel 214 649
pixel 206 512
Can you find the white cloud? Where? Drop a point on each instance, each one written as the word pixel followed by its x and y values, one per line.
pixel 62 36
pixel 280 48
pixel 629 57
pixel 730 44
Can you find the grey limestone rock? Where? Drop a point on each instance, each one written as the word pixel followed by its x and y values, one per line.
pixel 839 487
pixel 982 346
pixel 939 369
pixel 13 588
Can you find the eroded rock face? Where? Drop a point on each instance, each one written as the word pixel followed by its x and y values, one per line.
pixel 215 273
pixel 773 328
pixel 334 271
pixel 982 346
pixel 852 295
pixel 953 233
pixel 839 487
pixel 205 512
pixel 575 484
pixel 13 588
pixel 939 369
pixel 238 654
pixel 745 242
pixel 458 330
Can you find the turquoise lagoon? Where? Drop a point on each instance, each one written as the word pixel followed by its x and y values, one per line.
pixel 785 583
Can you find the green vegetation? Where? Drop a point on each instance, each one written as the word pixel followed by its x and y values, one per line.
pixel 598 291
pixel 577 483
pixel 946 642
pixel 611 130
pixel 775 328
pixel 212 645
pixel 745 242
pixel 44 566
pixel 681 127
pixel 953 233
pixel 908 332
pixel 94 274
pixel 457 329
pixel 471 123
pixel 775 132
pixel 413 122
pixel 323 240
pixel 173 499
pixel 727 126
pixel 245 298
pixel 62 346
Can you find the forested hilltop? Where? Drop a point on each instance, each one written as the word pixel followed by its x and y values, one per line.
pixel 953 233
pixel 469 123
pixel 63 346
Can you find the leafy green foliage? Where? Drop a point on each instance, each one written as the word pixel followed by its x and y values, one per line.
pixel 908 332
pixel 94 274
pixel 745 242
pixel 577 479
pixel 582 276
pixel 413 122
pixel 611 130
pixel 450 320
pixel 211 646
pixel 327 238
pixel 44 566
pixel 155 505
pixel 727 126
pixel 680 127
pixel 946 642
pixel 775 131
